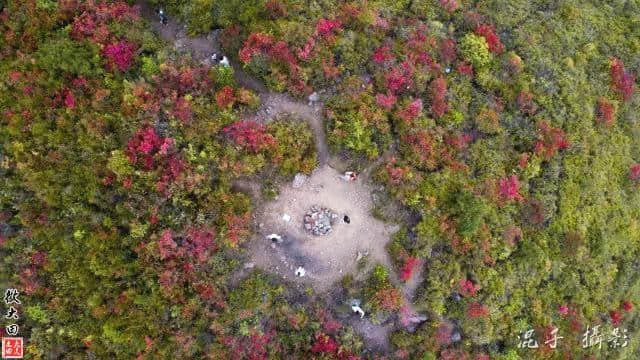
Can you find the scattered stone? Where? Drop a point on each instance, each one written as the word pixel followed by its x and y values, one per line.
pixel 300 271
pixel 249 265
pixel 319 221
pixel 286 217
pixel 299 180
pixel 224 61
pixel 359 256
pixel 418 319
pixel 314 97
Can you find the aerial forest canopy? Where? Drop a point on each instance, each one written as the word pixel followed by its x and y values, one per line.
pixel 502 138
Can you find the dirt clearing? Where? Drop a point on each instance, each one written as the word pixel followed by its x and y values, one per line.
pixel 326 258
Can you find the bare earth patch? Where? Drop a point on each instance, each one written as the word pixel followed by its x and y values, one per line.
pixel 326 258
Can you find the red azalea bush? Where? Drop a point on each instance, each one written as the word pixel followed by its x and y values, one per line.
pixel 550 140
pixel 411 111
pixel 324 344
pixel 634 172
pixel 526 103
pixel 438 91
pixel 475 310
pixel 250 135
pixel 508 189
pixel 224 97
pixel 386 101
pixel 382 54
pixel 408 268
pixel 449 5
pixel 119 55
pixel 622 81
pixel 606 112
pixel 489 33
pixel 467 288
pixel 326 27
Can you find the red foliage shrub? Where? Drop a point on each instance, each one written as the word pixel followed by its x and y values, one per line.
pixel 443 334
pixel 424 58
pixel 182 109
pixel 526 103
pixel 550 140
pixel 627 306
pixel 324 344
pixel 325 27
pixel 408 268
pixel 489 33
pixel 563 310
pixel 250 135
pixel 200 242
pixel 224 97
pixel 276 9
pixel 448 50
pixel 69 100
pixel 389 299
pixel 467 288
pixel 255 43
pixel 396 173
pixel 397 79
pixel 423 145
pixel 306 50
pixel 386 101
pixel 145 142
pixel 508 189
pixel 465 68
pixel 166 245
pixel 453 354
pixel 237 227
pixel 119 55
pixel 623 81
pixel 634 172
pixel 329 69
pixel 606 112
pixel 39 259
pixel 382 54
pixel 449 5
pixel 438 91
pixel 616 317
pixel 411 112
pixel 459 142
pixel 523 162
pixel 475 310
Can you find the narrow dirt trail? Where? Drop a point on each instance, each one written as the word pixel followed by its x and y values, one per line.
pixel 271 104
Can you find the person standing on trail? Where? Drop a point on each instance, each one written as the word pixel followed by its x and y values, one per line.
pixel 162 16
pixel 349 176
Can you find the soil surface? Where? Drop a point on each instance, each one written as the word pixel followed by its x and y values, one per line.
pixel 326 258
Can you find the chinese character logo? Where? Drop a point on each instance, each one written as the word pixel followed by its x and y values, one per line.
pixel 12 348
pixel 11 296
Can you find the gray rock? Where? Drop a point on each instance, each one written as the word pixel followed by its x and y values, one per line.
pixel 314 97
pixel 299 180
